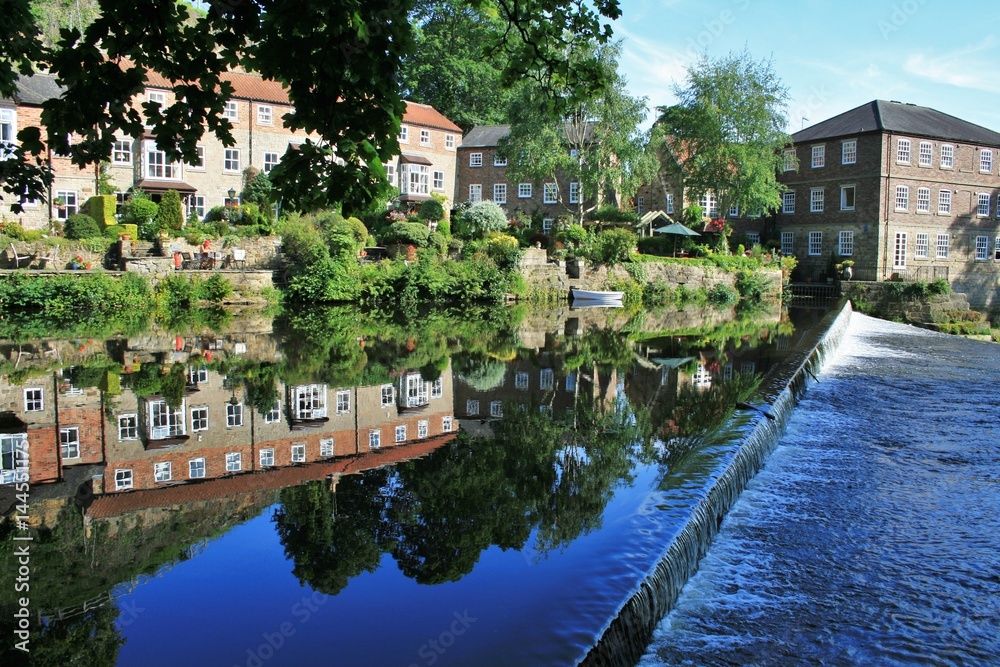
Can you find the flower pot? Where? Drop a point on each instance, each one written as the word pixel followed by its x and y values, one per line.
pixel 847 273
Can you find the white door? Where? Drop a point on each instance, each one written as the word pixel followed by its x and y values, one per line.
pixel 899 256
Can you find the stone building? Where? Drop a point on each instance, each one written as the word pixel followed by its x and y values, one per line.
pixel 256 109
pixel 907 192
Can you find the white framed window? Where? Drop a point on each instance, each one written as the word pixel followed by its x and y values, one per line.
pixel 196 468
pixel 996 248
pixel 899 251
pixel 753 238
pixel 819 156
pixel 845 243
pixel 122 152
pixel 983 209
pixel 847 193
pixel 157 166
pixel 921 245
pixel 709 205
pixel 546 379
pixel 390 173
pixel 195 205
pixel 789 163
pixel 267 457
pixel 123 479
pixel 447 423
pixel 271 161
pixel 925 156
pixel 787 243
pixel 923 200
pixel 437 388
pixel 273 416
pixel 414 179
pixel 982 248
pixel 425 137
pixel 8 131
pixel 547 225
pixel 849 152
pixel 986 160
pixel 422 429
pixel 157 97
pixel 199 418
pixel 70 204
pixel 670 203
pixel 476 193
pixel 326 447
pixel 231 161
pixel 34 399
pixel 815 243
pixel 388 395
pixel 734 211
pixel 374 439
pixel 816 200
pixel 943 245
pixel 640 205
pixel 231 111
pixel 310 401
pixel 163 471
pixel 449 142
pixel 471 407
pixel 496 409
pixel 571 382
pixel 199 163
pixel 128 427
pixel 500 193
pixel 903 151
pixel 902 197
pixel 265 114
pixel 401 433
pixel 574 193
pixel 475 159
pixel 404 134
pixel 499 161
pixel 550 193
pixel 343 401
pixel 69 443
pixel 788 201
pixel 521 380
pixel 438 183
pixel 524 190
pixel 947 156
pixel 234 415
pixel 234 461
pixel 944 201
pixel 299 452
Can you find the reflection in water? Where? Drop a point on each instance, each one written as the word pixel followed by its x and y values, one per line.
pixel 351 425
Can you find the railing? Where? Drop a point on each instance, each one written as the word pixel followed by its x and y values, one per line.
pixel 814 294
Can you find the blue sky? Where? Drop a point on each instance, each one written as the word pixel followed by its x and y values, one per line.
pixel 832 55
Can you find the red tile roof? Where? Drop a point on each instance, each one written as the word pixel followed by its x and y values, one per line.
pixel 275 478
pixel 428 116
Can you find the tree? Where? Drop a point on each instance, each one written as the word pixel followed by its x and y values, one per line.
pixel 339 60
pixel 170 216
pixel 596 142
pixel 727 131
pixel 483 218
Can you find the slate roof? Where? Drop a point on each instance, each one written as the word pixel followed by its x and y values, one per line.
pixel 35 89
pixel 882 116
pixel 488 136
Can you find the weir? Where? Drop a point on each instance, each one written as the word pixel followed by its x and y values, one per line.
pixel 748 438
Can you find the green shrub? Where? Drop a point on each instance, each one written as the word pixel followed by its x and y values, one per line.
pixel 661 245
pixel 614 246
pixel 721 294
pixel 15 231
pixel 444 227
pixel 112 231
pixel 358 229
pixel 504 250
pixel 102 209
pixel 81 226
pixel 431 210
pixel 939 286
pixel 438 242
pixel 259 191
pixel 302 243
pixel 215 214
pixel 752 285
pixel 613 214
pixel 407 233
pixel 481 219
pixel 140 211
pixel 170 215
pixel 216 289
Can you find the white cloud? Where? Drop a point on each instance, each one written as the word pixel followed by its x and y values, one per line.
pixel 652 68
pixel 973 66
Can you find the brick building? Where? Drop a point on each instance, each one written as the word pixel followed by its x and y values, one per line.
pixel 426 164
pixel 905 191
pixel 482 175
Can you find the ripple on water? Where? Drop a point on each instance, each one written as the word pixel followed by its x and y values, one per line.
pixel 872 536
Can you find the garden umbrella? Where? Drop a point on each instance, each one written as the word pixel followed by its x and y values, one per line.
pixel 677 229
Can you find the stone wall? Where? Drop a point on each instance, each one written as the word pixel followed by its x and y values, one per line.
pixel 263 252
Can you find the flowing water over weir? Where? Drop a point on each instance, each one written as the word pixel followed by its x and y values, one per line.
pixel 750 438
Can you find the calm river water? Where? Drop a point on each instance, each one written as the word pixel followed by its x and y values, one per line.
pixel 872 535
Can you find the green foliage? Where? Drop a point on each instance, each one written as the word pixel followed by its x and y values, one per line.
pixel 614 214
pixel 444 227
pixel 752 285
pixel 481 219
pixel 140 211
pixel 939 286
pixel 721 294
pixel 170 215
pixel 64 298
pixel 102 209
pixel 431 210
pixel 112 232
pixel 216 289
pixel 302 243
pixel 504 250
pixel 15 231
pixel 614 246
pixel 81 226
pixel 407 233
pixel 258 191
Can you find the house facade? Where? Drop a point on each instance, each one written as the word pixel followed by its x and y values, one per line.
pixel 426 162
pixel 482 175
pixel 907 192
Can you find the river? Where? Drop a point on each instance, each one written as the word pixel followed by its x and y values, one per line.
pixel 872 535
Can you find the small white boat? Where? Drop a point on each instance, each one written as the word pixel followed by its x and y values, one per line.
pixel 596 297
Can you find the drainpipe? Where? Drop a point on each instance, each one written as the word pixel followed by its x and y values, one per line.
pixel 886 269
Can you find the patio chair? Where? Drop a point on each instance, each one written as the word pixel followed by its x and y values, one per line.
pixel 187 261
pixel 17 259
pixel 49 259
pixel 239 257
